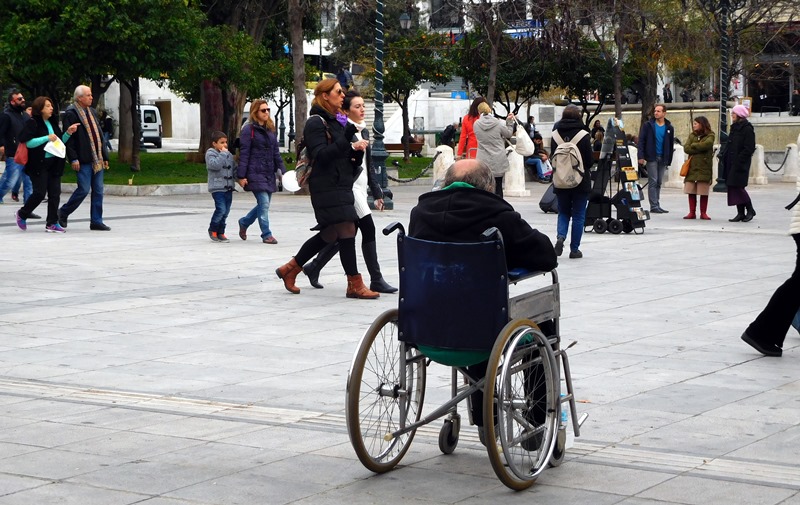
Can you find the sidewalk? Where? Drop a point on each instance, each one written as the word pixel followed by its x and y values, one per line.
pixel 150 365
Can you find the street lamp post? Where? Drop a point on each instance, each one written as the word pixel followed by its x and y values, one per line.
pixel 723 8
pixel 379 153
pixel 281 123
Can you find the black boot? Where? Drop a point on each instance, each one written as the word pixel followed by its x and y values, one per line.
pixel 750 214
pixel 315 266
pixel 376 283
pixel 739 216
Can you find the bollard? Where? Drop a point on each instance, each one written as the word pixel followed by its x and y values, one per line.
pixel 674 179
pixel 792 168
pixel 758 170
pixel 514 180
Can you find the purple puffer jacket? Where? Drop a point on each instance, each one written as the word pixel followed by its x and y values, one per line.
pixel 259 159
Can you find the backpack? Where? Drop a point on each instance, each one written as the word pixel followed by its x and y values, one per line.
pixel 305 164
pixel 448 134
pixel 567 162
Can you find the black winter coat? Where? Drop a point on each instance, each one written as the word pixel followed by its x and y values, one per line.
pixel 35 128
pixel 79 146
pixel 335 167
pixel 738 153
pixel 12 120
pixel 568 128
pixel 259 158
pixel 461 214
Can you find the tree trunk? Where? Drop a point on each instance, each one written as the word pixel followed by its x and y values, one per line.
pixel 649 93
pixel 210 114
pixel 406 130
pixel 494 49
pixel 298 66
pixel 125 149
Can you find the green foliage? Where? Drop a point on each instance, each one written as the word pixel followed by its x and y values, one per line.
pixel 418 58
pixel 57 44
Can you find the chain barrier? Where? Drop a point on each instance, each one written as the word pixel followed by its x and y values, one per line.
pixel 785 157
pixel 424 171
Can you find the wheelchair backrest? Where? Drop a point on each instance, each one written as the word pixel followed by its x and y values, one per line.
pixel 452 295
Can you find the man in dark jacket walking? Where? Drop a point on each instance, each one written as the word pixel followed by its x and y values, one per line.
pixel 461 212
pixel 656 140
pixel 12 120
pixel 88 156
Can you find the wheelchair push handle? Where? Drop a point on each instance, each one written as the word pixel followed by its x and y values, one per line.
pixel 393 226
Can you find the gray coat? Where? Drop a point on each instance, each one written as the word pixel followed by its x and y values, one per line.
pixel 221 169
pixel 491 133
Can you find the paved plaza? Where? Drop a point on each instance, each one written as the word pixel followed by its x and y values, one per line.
pixel 148 365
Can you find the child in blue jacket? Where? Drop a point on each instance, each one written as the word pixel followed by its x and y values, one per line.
pixel 221 169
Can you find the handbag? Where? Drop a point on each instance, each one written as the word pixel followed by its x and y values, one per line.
pixel 685 167
pixel 524 144
pixel 21 157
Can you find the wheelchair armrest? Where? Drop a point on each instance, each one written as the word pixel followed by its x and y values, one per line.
pixel 517 274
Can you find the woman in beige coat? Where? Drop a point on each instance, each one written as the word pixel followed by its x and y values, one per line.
pixel 700 146
pixel 491 134
pixel 767 332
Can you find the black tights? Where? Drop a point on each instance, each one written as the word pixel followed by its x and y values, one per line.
pixel 498 186
pixel 344 233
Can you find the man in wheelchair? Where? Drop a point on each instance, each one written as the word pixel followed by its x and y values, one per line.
pixel 461 212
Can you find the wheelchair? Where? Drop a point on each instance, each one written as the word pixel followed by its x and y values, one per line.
pixel 453 301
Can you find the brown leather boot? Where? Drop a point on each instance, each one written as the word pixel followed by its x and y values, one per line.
pixel 357 289
pixel 288 273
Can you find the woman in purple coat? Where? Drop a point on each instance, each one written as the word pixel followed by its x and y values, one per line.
pixel 260 163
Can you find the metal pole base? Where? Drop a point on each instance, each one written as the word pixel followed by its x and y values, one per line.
pixel 720 186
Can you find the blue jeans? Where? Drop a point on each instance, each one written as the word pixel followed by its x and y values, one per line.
pixel 222 207
pixel 655 177
pixel 536 162
pixel 11 178
pixel 87 180
pixel 107 140
pixel 571 205
pixel 260 212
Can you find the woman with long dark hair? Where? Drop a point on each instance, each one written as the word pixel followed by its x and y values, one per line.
pixel 700 146
pixel 259 163
pixel 467 142
pixel 337 157
pixel 44 168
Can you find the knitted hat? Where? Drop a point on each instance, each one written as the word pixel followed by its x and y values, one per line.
pixel 740 110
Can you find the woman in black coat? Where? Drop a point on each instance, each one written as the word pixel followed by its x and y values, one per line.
pixel 336 160
pixel 739 151
pixel 44 168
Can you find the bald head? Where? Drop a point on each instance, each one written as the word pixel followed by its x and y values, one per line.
pixel 473 172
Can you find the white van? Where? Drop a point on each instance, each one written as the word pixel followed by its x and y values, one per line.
pixel 152 128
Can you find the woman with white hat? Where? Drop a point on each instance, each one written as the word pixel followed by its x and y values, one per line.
pixel 739 152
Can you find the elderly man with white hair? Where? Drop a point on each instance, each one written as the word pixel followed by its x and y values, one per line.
pixel 88 156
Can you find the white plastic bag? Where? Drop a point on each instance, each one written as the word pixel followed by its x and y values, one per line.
pixel 56 148
pixel 524 144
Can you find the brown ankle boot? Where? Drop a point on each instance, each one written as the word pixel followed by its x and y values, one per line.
pixel 288 273
pixel 357 289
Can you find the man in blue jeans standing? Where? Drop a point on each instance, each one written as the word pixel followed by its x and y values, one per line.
pixel 656 140
pixel 88 156
pixel 11 122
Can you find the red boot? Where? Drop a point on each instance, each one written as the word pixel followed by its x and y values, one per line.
pixel 692 207
pixel 288 273
pixel 704 207
pixel 357 289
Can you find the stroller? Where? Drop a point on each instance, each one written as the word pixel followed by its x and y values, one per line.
pixel 627 201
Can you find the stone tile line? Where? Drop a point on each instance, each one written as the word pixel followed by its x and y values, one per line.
pixel 585 452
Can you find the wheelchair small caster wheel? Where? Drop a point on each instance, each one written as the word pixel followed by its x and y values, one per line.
pixel 448 436
pixel 615 226
pixel 600 226
pixel 627 226
pixel 559 448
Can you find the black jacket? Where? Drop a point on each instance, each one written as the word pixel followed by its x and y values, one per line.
pixel 738 153
pixel 335 168
pixel 11 123
pixel 79 147
pixel 461 214
pixel 568 128
pixel 34 128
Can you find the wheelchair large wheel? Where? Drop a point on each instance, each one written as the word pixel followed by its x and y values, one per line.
pixel 382 398
pixel 522 387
